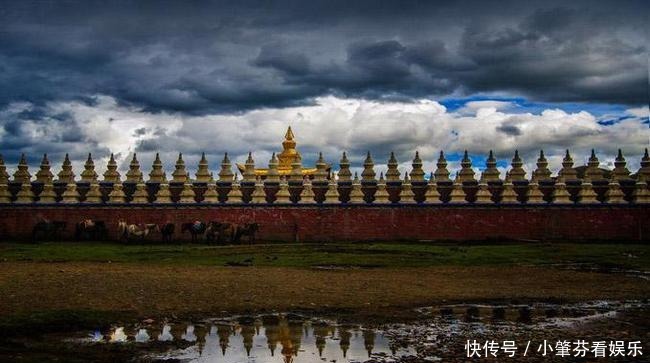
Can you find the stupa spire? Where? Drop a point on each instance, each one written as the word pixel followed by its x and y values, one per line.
pixel 567 172
pixel 157 174
pixel 44 175
pixel 321 169
pixel 111 175
pixel 517 173
pixel 542 172
pixel 368 173
pixel 593 172
pixel 180 174
pixel 235 195
pixel 273 176
pixel 4 176
pixel 432 196
pixel 491 173
pixel 620 172
pixel 249 169
pixel 289 151
pixel 203 172
pixel 89 175
pixel 466 172
pixel 259 194
pixel 296 169
pixel 345 175
pixel 645 166
pixel 356 195
pixel 417 174
pixel 22 174
pixel 406 195
pixel 225 174
pixel 392 174
pixel 283 196
pixel 381 195
pixel 441 173
pixel 66 175
pixel 134 175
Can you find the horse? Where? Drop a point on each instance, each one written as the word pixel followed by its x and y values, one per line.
pixel 196 229
pixel 48 229
pixel 167 231
pixel 91 230
pixel 212 231
pixel 127 231
pixel 218 231
pixel 247 229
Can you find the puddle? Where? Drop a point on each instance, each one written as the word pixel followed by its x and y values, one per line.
pixel 439 334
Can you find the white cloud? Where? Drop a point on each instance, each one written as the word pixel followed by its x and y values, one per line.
pixel 334 125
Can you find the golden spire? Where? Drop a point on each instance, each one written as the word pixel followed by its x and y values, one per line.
pixel 288 136
pixel 289 151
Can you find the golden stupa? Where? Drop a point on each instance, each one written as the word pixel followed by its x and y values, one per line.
pixel 285 159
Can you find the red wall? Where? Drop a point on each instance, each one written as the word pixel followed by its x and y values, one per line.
pixel 359 223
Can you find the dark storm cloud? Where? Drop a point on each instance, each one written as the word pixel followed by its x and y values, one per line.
pixel 510 130
pixel 198 57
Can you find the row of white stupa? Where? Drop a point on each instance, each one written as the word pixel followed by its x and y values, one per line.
pixel 180 175
pixel 508 195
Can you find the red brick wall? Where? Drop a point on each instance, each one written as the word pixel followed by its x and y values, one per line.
pixel 363 223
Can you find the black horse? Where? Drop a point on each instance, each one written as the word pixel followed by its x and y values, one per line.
pixel 48 230
pixel 196 229
pixel 89 229
pixel 247 229
pixel 167 232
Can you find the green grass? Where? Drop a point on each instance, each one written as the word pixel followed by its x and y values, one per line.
pixel 627 256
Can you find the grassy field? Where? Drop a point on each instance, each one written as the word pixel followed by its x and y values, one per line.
pixel 389 255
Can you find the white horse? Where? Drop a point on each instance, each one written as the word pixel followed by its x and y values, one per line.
pixel 128 231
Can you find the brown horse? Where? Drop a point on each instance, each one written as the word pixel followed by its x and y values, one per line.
pixel 196 229
pixel 89 229
pixel 247 229
pixel 167 231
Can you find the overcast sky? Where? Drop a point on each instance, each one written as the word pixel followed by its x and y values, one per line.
pixel 193 76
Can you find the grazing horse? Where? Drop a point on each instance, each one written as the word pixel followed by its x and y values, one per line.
pixel 219 232
pixel 167 231
pixel 196 229
pixel 89 229
pixel 128 231
pixel 212 231
pixel 227 232
pixel 46 229
pixel 247 229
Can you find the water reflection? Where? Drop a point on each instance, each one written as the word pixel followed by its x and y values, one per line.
pixel 296 339
pixel 166 335
pixel 142 336
pixel 118 336
pixel 277 340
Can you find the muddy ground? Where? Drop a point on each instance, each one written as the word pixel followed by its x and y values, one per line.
pixel 58 288
pixel 184 290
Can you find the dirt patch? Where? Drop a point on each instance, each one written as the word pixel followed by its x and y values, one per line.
pixel 179 290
